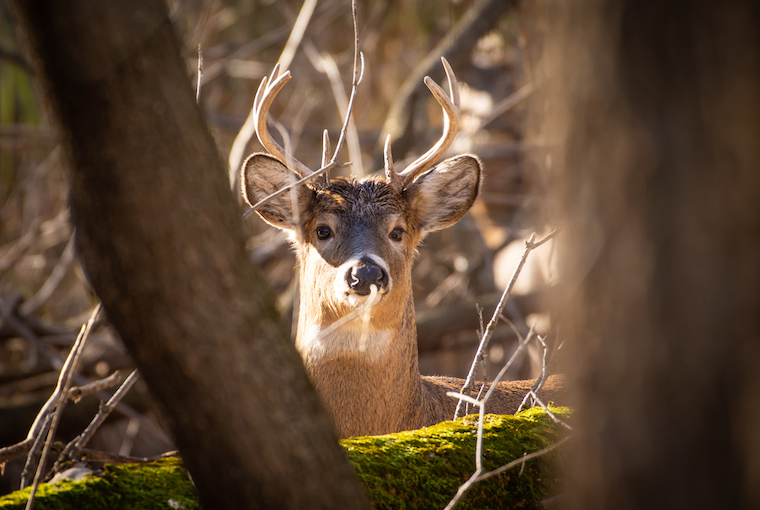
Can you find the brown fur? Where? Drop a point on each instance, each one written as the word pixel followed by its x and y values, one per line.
pixel 371 384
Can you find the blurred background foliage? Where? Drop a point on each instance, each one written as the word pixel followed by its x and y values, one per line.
pixel 44 295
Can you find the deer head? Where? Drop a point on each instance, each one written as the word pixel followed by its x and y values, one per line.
pixel 356 240
pixel 350 234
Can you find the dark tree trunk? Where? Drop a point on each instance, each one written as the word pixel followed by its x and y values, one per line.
pixel 159 233
pixel 656 108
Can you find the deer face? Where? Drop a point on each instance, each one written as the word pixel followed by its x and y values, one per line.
pixel 350 234
pixel 356 239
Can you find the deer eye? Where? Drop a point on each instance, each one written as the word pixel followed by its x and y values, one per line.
pixel 323 233
pixel 397 234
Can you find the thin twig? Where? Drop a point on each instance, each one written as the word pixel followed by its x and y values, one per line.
pixel 77 392
pixel 540 380
pixel 64 381
pixel 508 103
pixel 15 450
pixel 548 411
pixel 358 311
pixel 67 375
pixel 529 246
pixel 286 189
pixel 325 63
pixel 93 455
pixel 356 80
pixel 34 450
pixel 481 328
pixel 520 347
pixel 478 448
pixel 52 357
pixel 358 75
pixel 74 447
pixel 479 475
pixel 286 57
pixel 521 460
pixel 481 404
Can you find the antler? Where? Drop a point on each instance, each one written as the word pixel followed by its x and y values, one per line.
pixel 450 120
pixel 266 93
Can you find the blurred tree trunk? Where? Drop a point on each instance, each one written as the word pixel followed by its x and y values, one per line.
pixel 160 236
pixel 656 108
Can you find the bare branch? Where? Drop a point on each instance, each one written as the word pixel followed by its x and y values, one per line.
pixel 324 62
pixel 299 182
pixel 540 380
pixel 508 103
pixel 529 246
pixel 34 450
pixel 74 447
pixel 548 411
pixel 64 383
pixel 358 311
pixel 65 377
pixel 77 392
pixel 15 450
pixel 522 460
pixel 93 455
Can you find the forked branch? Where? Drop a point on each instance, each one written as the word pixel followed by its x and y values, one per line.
pixel 530 245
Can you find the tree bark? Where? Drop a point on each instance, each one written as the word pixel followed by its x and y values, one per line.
pixel 160 236
pixel 656 110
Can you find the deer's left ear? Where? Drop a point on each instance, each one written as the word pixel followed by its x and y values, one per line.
pixel 262 175
pixel 442 195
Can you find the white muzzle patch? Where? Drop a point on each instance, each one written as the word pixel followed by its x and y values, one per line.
pixel 341 288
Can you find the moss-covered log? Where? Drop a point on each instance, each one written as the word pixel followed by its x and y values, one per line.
pixel 420 469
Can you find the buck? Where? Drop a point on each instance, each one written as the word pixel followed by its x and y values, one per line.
pixel 355 241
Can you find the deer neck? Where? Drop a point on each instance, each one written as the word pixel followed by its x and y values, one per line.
pixel 367 375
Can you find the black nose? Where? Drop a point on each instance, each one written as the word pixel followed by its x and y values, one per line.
pixel 364 275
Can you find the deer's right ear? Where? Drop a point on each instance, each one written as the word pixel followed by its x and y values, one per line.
pixel 262 175
pixel 443 194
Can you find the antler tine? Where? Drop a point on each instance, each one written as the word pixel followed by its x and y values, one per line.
pixel 394 179
pixel 325 148
pixel 264 97
pixel 450 109
pixel 324 179
pixel 264 86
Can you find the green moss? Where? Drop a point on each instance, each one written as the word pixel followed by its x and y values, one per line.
pixel 424 468
pixel 416 470
pixel 161 484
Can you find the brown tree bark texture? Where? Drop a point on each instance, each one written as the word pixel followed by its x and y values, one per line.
pixel 159 233
pixel 656 111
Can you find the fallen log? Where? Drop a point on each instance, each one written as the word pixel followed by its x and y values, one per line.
pixel 419 469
